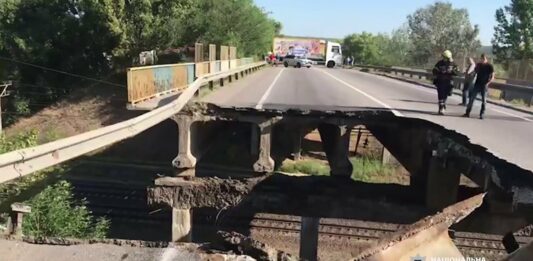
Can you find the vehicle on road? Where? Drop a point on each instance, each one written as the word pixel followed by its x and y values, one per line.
pixel 323 51
pixel 297 62
pixel 333 54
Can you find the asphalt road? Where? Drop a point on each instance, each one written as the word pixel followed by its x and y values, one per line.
pixel 504 132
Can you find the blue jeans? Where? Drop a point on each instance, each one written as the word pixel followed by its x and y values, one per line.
pixel 473 94
pixel 467 88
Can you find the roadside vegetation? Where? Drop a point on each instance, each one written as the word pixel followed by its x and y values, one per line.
pixel 306 166
pixel 366 169
pixel 409 45
pixel 55 212
pixel 46 45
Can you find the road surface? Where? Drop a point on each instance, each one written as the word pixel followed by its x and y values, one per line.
pixel 504 132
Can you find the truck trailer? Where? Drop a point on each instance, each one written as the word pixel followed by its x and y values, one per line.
pixel 320 50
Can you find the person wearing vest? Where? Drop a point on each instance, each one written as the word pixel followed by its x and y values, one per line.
pixel 443 74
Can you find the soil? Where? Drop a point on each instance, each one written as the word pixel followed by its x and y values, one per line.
pixel 81 111
pixel 23 251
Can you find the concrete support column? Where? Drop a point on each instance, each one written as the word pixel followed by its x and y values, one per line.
pixel 336 142
pixel 260 147
pixel 296 152
pixel 442 183
pixel 309 238
pixel 386 157
pixel 185 159
pixel 181 225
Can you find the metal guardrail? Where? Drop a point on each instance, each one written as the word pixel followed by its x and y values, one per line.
pixel 26 161
pixel 526 91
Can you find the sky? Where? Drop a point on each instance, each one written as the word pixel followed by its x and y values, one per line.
pixel 338 18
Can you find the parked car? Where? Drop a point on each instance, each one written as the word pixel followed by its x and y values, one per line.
pixel 297 62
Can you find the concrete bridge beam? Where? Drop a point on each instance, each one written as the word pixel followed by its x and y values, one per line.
pixel 442 183
pixel 336 142
pixel 297 136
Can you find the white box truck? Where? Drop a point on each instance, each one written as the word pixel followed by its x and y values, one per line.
pixel 322 51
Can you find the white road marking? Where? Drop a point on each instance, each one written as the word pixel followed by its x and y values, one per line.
pixel 397 113
pixel 455 97
pixel 259 105
pixel 511 114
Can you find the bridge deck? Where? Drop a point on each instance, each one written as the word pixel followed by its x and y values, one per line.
pixel 504 132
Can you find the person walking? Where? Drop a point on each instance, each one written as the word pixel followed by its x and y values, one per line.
pixel 272 58
pixel 443 73
pixel 485 75
pixel 470 76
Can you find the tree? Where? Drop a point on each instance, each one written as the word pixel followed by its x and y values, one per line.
pixel 399 47
pixel 66 35
pixel 513 35
pixel 80 37
pixel 363 47
pixel 439 27
pixel 380 49
pixel 239 23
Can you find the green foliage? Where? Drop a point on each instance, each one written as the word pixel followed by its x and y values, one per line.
pixel 513 37
pixel 371 170
pixel 380 49
pixel 311 167
pixel 365 169
pixel 238 23
pixel 440 27
pixel 518 102
pixel 55 213
pixel 19 141
pixel 363 47
pixel 501 71
pixel 97 37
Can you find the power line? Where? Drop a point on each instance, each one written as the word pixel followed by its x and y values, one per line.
pixel 61 72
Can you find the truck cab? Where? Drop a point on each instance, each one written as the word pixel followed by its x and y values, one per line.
pixel 333 54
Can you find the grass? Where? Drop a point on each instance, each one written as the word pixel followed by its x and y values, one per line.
pixel 365 169
pixel 371 170
pixel 518 102
pixel 311 167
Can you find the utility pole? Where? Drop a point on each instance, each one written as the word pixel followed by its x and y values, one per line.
pixel 3 93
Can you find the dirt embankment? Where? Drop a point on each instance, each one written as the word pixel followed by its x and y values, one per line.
pixel 83 110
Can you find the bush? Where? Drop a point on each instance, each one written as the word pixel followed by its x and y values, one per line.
pixel 519 102
pixel 20 141
pixel 55 213
pixel 370 170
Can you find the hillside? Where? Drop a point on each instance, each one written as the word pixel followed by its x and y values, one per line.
pixel 83 110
